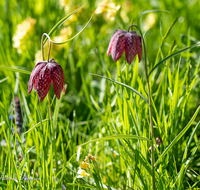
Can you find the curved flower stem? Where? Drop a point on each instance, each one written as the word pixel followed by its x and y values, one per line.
pixel 52 144
pixel 150 110
pixel 42 47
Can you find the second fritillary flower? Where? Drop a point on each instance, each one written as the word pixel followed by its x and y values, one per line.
pixel 122 41
pixel 43 74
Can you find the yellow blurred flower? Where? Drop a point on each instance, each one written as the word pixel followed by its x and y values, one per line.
pixel 23 34
pixel 64 35
pixel 127 7
pixel 63 3
pixel 82 173
pixel 84 165
pixel 108 9
pixel 72 18
pixel 150 21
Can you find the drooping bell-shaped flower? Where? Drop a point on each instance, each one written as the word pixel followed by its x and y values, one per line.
pixel 43 74
pixel 122 41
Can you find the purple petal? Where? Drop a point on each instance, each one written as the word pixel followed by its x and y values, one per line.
pixel 43 83
pixel 35 83
pixel 138 44
pixel 57 78
pixel 113 38
pixel 34 74
pixel 63 78
pixel 130 48
pixel 118 47
pixel 139 47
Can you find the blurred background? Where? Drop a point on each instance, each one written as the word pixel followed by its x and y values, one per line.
pixel 88 98
pixel 22 24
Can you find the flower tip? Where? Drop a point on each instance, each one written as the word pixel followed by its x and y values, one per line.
pixel 63 89
pixel 30 86
pixel 40 99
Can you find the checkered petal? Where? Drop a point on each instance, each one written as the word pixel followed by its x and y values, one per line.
pixel 42 75
pixel 63 78
pixel 113 38
pixel 43 83
pixel 34 74
pixel 139 46
pixel 130 48
pixel 57 78
pixel 118 47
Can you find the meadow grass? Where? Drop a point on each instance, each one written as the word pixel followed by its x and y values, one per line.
pixel 100 113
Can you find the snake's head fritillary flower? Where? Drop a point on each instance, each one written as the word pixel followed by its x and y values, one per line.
pixel 43 74
pixel 122 41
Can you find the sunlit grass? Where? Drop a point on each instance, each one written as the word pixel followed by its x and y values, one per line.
pixel 98 116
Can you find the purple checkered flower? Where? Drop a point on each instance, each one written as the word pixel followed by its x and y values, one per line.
pixel 43 74
pixel 122 41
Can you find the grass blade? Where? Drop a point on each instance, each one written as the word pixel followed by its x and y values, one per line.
pixel 122 84
pixel 14 69
pixel 121 136
pixel 74 35
pixel 170 56
pixel 152 11
pixel 184 165
pixel 178 136
pixel 4 79
pixel 59 23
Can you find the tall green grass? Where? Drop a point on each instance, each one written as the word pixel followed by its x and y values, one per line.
pixel 100 116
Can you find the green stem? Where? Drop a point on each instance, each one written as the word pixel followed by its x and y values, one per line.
pixel 50 112
pixel 43 46
pixel 48 96
pixel 150 109
pixel 151 122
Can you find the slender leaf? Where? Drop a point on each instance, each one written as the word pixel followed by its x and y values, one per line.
pixel 170 56
pixel 169 29
pixel 74 35
pixel 122 84
pixel 59 23
pixel 14 69
pixel 4 79
pixel 184 162
pixel 38 124
pixel 121 136
pixel 178 136
pixel 152 11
